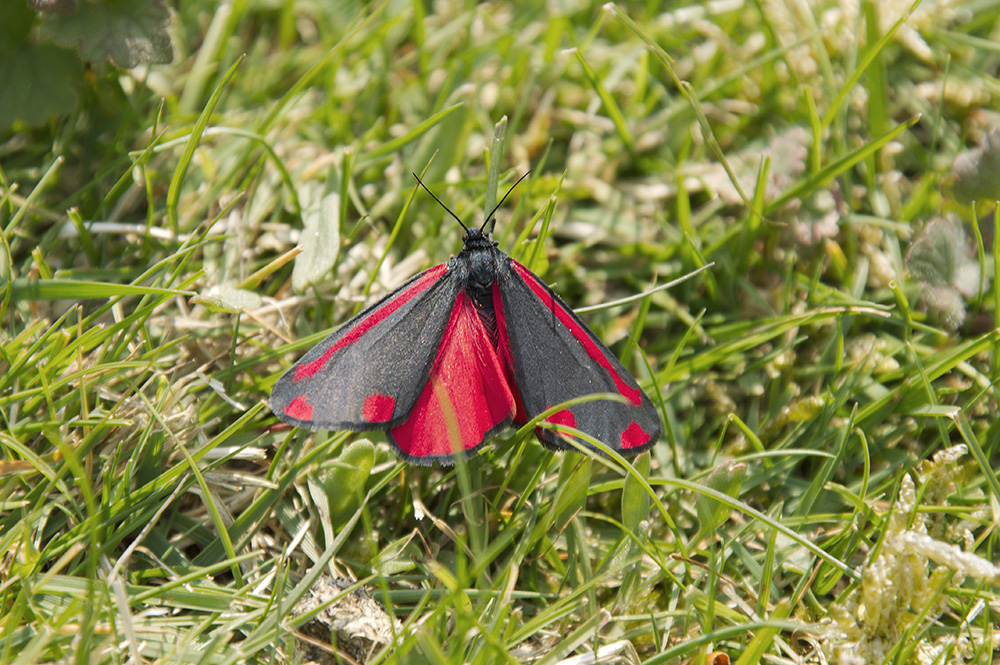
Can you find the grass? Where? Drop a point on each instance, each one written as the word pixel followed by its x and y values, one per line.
pixel 826 483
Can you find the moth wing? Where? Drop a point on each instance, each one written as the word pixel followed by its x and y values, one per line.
pixel 369 374
pixel 466 398
pixel 556 358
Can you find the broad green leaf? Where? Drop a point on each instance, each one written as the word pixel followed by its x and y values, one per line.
pixel 726 478
pixel 320 240
pixel 345 483
pixel 977 171
pixel 226 298
pixel 125 33
pixel 38 81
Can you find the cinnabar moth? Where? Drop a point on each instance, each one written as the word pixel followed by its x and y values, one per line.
pixel 460 352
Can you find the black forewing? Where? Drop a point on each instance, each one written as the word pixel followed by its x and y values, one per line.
pixel 557 357
pixel 369 373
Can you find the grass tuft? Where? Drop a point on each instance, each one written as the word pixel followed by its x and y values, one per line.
pixel 826 487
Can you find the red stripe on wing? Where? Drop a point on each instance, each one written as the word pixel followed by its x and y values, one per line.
pixel 308 370
pixel 634 395
pixel 467 396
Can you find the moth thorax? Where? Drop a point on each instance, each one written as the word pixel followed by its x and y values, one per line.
pixel 482 274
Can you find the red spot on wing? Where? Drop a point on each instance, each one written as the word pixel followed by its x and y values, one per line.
pixel 299 408
pixel 634 395
pixel 634 436
pixel 564 417
pixel 308 370
pixel 466 396
pixel 378 408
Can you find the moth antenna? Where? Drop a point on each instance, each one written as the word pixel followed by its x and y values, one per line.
pixel 497 207
pixel 440 201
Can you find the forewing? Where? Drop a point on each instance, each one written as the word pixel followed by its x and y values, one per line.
pixel 369 374
pixel 556 358
pixel 466 398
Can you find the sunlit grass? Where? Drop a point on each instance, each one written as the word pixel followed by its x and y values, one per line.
pixel 826 477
